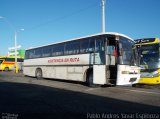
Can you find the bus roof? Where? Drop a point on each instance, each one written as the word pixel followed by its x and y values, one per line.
pixel 106 33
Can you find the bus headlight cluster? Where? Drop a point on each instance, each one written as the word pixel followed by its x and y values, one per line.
pixel 155 74
pixel 125 72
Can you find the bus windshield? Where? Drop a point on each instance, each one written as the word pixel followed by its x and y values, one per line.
pixel 128 56
pixel 1 61
pixel 150 57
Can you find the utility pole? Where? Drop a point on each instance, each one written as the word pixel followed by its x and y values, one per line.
pixel 103 16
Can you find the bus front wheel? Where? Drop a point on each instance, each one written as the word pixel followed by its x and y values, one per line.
pixel 6 69
pixel 39 74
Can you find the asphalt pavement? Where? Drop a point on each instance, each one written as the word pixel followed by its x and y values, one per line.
pixel 28 98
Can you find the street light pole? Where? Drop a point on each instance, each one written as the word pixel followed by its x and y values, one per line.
pixel 15 45
pixel 15 50
pixel 103 16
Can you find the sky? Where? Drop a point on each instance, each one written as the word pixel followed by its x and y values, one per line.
pixel 48 21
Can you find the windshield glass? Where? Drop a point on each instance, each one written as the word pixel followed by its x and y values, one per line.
pixel 127 56
pixel 150 56
pixel 1 61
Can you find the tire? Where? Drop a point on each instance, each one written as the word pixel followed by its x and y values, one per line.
pixel 90 79
pixel 39 74
pixel 6 69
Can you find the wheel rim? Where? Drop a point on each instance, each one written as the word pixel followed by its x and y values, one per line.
pixel 6 69
pixel 39 74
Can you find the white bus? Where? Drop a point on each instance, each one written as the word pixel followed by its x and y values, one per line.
pixel 104 58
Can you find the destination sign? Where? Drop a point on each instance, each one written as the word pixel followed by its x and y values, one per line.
pixel 145 40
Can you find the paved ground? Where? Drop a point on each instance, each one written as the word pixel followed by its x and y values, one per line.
pixel 26 97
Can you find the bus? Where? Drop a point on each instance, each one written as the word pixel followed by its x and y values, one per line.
pixel 7 63
pixel 149 53
pixel 105 59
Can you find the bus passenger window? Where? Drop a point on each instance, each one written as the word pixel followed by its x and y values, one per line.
pixel 99 45
pixel 20 60
pixel 27 54
pixel 58 50
pixel 76 47
pixel 92 45
pixel 84 46
pixel 47 51
pixel 72 48
pixel 31 54
pixel 38 53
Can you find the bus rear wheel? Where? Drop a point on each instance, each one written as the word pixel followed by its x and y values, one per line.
pixel 90 79
pixel 39 74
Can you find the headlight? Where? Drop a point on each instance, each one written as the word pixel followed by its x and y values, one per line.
pixel 155 74
pixel 125 72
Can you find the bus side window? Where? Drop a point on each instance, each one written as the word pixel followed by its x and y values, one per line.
pixel 72 48
pixel 38 53
pixel 10 60
pixel 91 45
pixel 99 45
pixel 31 54
pixel 84 46
pixel 159 51
pixel 76 47
pixel 47 51
pixel 58 50
pixel 68 48
pixel 27 54
pixel 20 60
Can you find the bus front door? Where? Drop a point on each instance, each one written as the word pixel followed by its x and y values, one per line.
pixel 99 67
pixel 99 74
